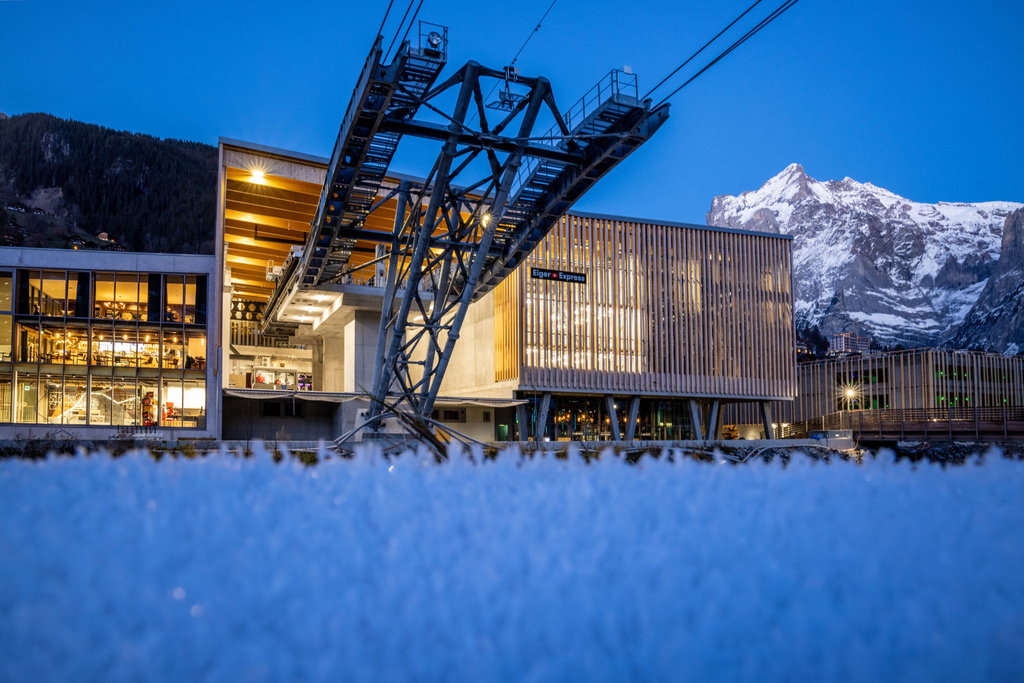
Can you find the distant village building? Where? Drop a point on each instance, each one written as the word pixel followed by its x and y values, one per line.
pixel 848 342
pixel 920 379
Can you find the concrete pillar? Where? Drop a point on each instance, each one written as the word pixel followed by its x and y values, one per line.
pixel 613 416
pixel 522 426
pixel 766 419
pixel 331 351
pixel 714 425
pixel 634 410
pixel 225 329
pixel 542 417
pixel 360 350
pixel 695 420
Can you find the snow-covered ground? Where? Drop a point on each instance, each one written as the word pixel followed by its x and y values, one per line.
pixel 242 570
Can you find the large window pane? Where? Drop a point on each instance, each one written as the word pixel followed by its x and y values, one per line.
pixel 6 330
pixel 171 398
pixel 6 394
pixel 173 348
pixel 125 404
pixel 193 403
pixel 154 296
pixel 75 399
pixel 100 404
pixel 26 398
pixel 103 290
pixel 54 294
pixel 149 391
pixel 195 349
pixel 51 343
pixel 142 306
pixel 149 346
pixel 190 299
pixel 76 343
pixel 6 287
pixel 200 316
pixel 174 297
pixel 101 345
pixel 26 336
pixel 78 295
pixel 124 346
pixel 51 405
pixel 126 296
pixel 28 292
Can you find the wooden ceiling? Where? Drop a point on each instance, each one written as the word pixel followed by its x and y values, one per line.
pixel 265 217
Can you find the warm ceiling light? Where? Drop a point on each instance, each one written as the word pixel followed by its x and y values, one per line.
pixel 485 219
pixel 257 176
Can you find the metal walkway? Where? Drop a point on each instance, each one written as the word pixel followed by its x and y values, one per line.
pixel 361 157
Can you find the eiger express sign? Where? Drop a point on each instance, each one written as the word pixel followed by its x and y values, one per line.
pixel 558 275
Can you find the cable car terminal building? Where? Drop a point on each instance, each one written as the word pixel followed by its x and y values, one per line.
pixel 613 328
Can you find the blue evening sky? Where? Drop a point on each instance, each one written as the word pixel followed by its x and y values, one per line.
pixel 923 98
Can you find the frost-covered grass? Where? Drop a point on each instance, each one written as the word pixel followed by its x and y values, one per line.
pixel 230 569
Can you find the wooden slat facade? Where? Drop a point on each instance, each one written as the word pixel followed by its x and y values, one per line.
pixel 667 310
pixel 900 380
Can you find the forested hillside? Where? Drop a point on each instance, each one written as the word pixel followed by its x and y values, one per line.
pixel 81 179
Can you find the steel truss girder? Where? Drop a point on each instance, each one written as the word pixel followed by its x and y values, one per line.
pixel 439 259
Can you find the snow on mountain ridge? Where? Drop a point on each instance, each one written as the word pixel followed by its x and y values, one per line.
pixel 869 260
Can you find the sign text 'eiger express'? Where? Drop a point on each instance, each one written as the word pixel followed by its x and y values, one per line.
pixel 559 275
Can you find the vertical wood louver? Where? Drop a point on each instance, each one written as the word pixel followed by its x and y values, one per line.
pixel 665 310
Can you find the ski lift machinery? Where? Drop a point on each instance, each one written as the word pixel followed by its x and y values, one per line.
pixel 466 226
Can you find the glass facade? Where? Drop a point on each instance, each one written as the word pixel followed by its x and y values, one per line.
pixel 102 348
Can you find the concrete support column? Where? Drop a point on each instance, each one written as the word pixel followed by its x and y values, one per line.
pixel 331 352
pixel 695 420
pixel 359 351
pixel 634 410
pixel 613 418
pixel 522 427
pixel 714 425
pixel 542 417
pixel 317 345
pixel 766 419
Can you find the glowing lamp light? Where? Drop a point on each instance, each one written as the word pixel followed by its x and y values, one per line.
pixel 257 176
pixel 850 393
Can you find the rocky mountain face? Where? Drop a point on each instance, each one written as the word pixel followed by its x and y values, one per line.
pixel 997 318
pixel 869 261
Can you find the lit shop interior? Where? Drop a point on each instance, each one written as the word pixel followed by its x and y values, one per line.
pixel 103 348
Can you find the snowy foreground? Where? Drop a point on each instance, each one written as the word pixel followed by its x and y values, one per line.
pixel 227 569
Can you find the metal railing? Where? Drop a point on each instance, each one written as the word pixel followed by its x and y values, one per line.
pixel 923 423
pixel 616 82
pixel 244 333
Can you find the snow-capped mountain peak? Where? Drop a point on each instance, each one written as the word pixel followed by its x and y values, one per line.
pixel 871 261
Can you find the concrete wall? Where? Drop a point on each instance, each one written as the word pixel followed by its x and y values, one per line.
pixel 244 420
pixel 471 371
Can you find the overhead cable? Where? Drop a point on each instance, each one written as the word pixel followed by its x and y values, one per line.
pixel 521 48
pixel 694 55
pixel 385 19
pixel 747 36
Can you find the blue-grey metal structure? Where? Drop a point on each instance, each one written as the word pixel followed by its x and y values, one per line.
pixel 493 193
